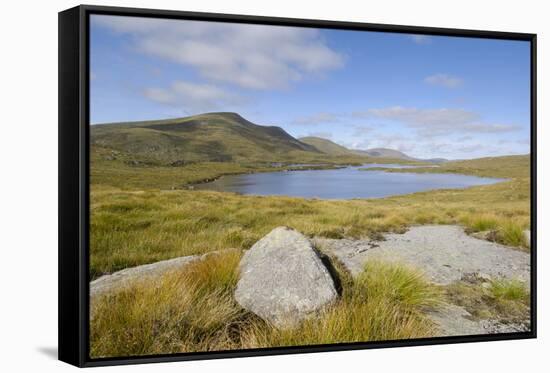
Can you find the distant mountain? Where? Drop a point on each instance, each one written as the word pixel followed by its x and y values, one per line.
pixel 222 137
pixel 204 137
pixel 391 153
pixel 436 160
pixel 330 147
pixel 326 146
pixel 385 153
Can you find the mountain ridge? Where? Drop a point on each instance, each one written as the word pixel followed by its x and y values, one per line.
pixel 330 147
pixel 222 136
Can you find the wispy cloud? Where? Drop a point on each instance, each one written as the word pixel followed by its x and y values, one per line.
pixel 421 117
pixel 193 97
pixel 434 122
pixel 421 39
pixel 384 140
pixel 444 80
pixel 250 56
pixel 317 118
pixel 362 130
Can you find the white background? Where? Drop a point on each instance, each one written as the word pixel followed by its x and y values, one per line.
pixel 28 184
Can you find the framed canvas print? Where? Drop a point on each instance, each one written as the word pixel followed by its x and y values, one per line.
pixel 234 186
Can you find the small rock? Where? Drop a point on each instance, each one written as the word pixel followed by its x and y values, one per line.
pixel 484 277
pixel 283 279
pixel 476 278
pixel 527 235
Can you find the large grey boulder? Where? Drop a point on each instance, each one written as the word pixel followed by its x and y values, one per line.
pixel 283 279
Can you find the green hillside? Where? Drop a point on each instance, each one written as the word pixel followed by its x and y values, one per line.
pixel 327 146
pixel 510 166
pixel 212 137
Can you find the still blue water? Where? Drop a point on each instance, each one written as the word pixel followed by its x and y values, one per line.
pixel 344 183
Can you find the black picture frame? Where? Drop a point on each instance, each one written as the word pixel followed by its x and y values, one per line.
pixel 74 183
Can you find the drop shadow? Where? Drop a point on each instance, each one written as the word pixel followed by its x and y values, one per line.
pixel 50 352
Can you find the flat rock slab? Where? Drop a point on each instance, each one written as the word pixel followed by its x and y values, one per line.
pixel 126 276
pixel 444 252
pixel 283 279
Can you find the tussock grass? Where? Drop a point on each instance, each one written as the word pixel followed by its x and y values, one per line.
pixel 398 283
pixel 511 233
pixel 506 229
pixel 509 290
pixel 507 300
pixel 189 310
pixel 193 310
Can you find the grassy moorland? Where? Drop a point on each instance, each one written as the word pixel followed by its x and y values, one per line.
pixel 143 211
pixel 132 227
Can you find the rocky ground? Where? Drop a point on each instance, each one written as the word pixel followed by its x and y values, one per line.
pixel 445 253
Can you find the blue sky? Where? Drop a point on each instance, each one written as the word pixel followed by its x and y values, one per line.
pixel 429 96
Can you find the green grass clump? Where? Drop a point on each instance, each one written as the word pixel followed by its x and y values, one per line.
pixel 501 299
pixel 511 234
pixel 509 290
pixel 501 229
pixel 481 223
pixel 193 310
pixel 398 283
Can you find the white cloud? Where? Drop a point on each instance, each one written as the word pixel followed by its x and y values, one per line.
pixel 362 130
pixel 193 97
pixel 444 80
pixel 435 122
pixel 317 118
pixel 421 117
pixel 421 39
pixel 249 56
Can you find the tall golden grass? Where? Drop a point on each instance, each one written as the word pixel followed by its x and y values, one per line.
pixel 193 310
pixel 130 228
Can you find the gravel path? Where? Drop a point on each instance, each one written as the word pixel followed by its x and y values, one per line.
pixel 444 252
